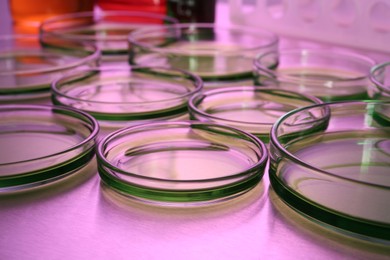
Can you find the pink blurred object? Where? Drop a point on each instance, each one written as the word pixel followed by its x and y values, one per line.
pixel 351 23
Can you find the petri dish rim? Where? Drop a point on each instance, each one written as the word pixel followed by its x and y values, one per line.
pixel 132 38
pixel 76 112
pixel 374 79
pixel 101 158
pixel 274 141
pixel 198 83
pixel 93 52
pixel 130 111
pixel 285 78
pixel 192 102
pixel 99 16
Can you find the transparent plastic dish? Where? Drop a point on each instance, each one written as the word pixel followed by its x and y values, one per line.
pixel 108 30
pixel 328 74
pixel 380 76
pixel 331 162
pixel 219 54
pixel 249 108
pixel 41 144
pixel 181 163
pixel 27 69
pixel 119 97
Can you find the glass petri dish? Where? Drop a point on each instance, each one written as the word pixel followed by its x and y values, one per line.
pixel 108 30
pixel 327 74
pixel 220 55
pixel 41 144
pixel 119 97
pixel 181 163
pixel 380 76
pixel 27 69
pixel 331 162
pixel 250 108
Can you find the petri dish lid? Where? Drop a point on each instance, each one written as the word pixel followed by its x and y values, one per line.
pixel 250 108
pixel 331 162
pixel 107 30
pixel 130 94
pixel 27 69
pixel 40 144
pixel 181 163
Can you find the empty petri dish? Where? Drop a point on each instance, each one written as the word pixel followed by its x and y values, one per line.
pixel 108 30
pixel 327 74
pixel 41 144
pixel 250 108
pixel 380 76
pixel 220 55
pixel 331 162
pixel 181 163
pixel 127 96
pixel 27 69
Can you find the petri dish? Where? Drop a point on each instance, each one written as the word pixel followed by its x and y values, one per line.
pixel 108 30
pixel 41 144
pixel 27 69
pixel 331 162
pixel 328 74
pixel 220 55
pixel 380 76
pixel 250 108
pixel 181 163
pixel 117 97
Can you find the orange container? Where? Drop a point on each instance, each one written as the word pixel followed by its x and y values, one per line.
pixel 27 15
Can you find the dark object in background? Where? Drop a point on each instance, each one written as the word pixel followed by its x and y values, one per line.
pixel 192 11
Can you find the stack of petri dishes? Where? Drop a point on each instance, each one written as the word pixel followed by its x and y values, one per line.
pixel 220 55
pixel 192 114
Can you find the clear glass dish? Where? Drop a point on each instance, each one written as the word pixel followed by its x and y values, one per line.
pixel 250 108
pixel 41 144
pixel 120 97
pixel 108 30
pixel 328 74
pixel 380 76
pixel 27 69
pixel 331 162
pixel 181 163
pixel 220 55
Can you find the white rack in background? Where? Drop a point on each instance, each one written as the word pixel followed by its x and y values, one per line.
pixel 351 23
